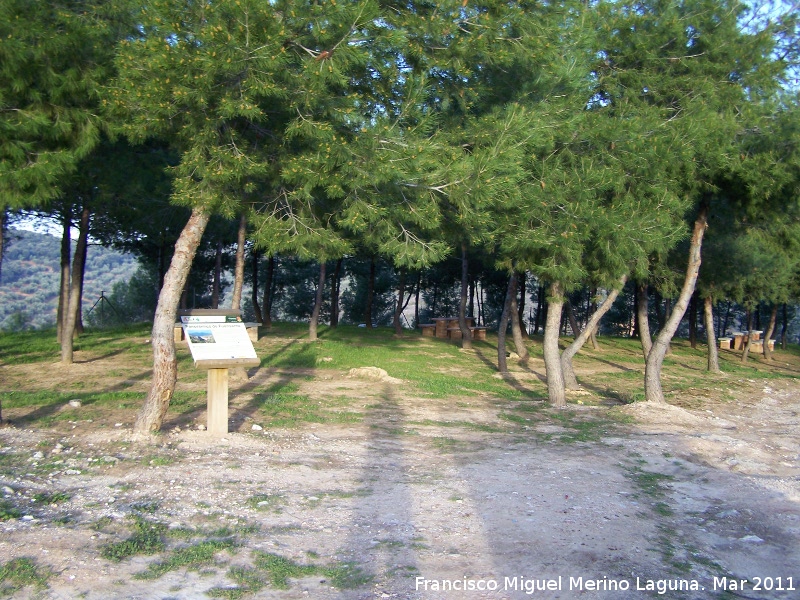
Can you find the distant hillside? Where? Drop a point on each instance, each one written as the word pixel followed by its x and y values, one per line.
pixel 30 276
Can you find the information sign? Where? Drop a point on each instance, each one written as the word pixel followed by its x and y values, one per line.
pixel 217 338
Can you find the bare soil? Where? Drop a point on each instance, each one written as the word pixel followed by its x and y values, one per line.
pixel 419 494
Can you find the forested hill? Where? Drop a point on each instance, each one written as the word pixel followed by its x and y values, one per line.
pixel 29 281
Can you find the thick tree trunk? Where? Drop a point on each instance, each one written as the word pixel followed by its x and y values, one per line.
pixel 570 381
pixel 655 359
pixel 773 317
pixel 268 285
pixel 398 309
pixel 254 258
pixel 466 332
pixel 312 325
pixel 516 329
pixel 165 366
pixel 502 365
pixel 708 318
pixel 66 250
pixel 238 271
pixel 552 356
pixel 73 304
pixel 370 294
pixel 642 312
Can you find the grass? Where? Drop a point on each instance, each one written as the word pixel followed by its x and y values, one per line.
pixel 8 511
pixel 147 539
pixel 20 573
pixel 193 557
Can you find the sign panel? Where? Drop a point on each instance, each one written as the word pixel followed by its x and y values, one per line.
pixel 217 338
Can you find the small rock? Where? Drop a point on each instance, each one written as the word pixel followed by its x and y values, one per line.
pixel 752 539
pixel 201 427
pixel 27 518
pixel 109 459
pixel 75 403
pixel 72 472
pixel 38 455
pixel 117 424
pixel 174 525
pixel 257 427
pixel 8 491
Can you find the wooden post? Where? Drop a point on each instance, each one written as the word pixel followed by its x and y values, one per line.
pixel 217 401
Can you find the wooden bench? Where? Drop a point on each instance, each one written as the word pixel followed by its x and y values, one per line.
pixel 428 329
pixel 478 333
pixel 252 332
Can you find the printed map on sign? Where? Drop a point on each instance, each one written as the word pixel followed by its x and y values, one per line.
pixel 217 337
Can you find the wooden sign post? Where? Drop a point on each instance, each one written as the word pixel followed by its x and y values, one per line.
pixel 218 340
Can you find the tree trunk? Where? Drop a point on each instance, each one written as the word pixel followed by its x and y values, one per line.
pixel 466 332
pixel 693 320
pixel 335 289
pixel 773 317
pixel 370 294
pixel 81 278
pixel 73 304
pixel 416 298
pixel 66 249
pixel 570 381
pixel 471 303
pixel 254 296
pixel 215 290
pixel 312 325
pixel 746 351
pixel 268 285
pixel 552 355
pixel 521 284
pixel 238 271
pixel 652 373
pixel 165 366
pixel 398 310
pixel 539 308
pixel 516 329
pixel 708 317
pixel 784 326
pixel 642 318
pixel 502 365
pixel 573 322
pixel 3 218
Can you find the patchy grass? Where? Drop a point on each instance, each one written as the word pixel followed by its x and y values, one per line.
pixel 20 573
pixel 192 557
pixel 52 497
pixel 147 539
pixel 8 511
pixel 266 502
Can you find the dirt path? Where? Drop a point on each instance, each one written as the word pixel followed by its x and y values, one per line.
pixel 424 495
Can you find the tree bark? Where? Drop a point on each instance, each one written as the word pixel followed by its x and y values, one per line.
pixel 502 365
pixel 416 298
pixel 642 318
pixel 784 326
pixel 73 304
pixel 81 278
pixel 746 351
pixel 165 366
pixel 653 391
pixel 238 271
pixel 693 321
pixel 254 258
pixel 312 325
pixel 335 288
pixel 268 285
pixel 570 381
pixel 3 218
pixel 539 308
pixel 398 309
pixel 516 329
pixel 466 332
pixel 66 250
pixel 521 284
pixel 573 322
pixel 773 317
pixel 215 290
pixel 552 356
pixel 708 318
pixel 370 294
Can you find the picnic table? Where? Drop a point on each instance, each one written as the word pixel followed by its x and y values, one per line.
pixel 448 328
